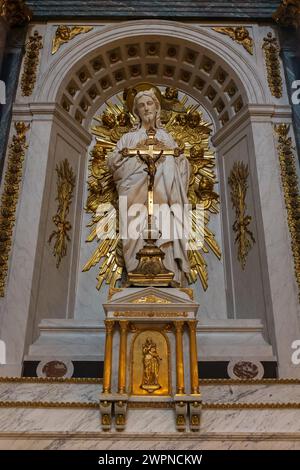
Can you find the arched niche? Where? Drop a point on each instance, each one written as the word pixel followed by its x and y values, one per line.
pixel 229 84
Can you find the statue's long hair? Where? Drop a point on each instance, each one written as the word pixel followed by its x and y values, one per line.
pixel 151 94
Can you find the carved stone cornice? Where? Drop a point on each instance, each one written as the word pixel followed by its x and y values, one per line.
pixel 15 12
pixel 288 13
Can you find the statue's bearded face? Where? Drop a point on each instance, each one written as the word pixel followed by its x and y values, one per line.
pixel 146 109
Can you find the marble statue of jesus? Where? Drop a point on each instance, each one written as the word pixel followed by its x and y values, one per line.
pixel 170 186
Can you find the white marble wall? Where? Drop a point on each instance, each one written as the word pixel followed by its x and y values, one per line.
pixel 149 428
pixel 57 285
pixel 261 392
pixel 269 277
pixel 27 272
pixel 245 287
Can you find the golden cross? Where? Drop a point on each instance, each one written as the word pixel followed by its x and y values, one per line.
pixel 147 152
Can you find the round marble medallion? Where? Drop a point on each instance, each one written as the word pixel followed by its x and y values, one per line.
pixel 245 370
pixel 55 368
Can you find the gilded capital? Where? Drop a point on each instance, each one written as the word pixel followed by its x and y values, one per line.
pixel 179 325
pixel 15 12
pixel 124 325
pixel 109 325
pixel 193 325
pixel 288 13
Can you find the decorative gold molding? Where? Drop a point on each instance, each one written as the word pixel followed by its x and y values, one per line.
pixel 202 382
pixel 289 180
pixel 10 195
pixel 150 314
pixel 153 404
pixel 41 380
pixel 15 12
pixel 244 237
pixel 249 382
pixel 65 186
pixel 48 404
pixel 31 63
pixel 288 13
pixel 271 50
pixel 152 299
pixel 239 34
pixel 250 406
pixel 66 33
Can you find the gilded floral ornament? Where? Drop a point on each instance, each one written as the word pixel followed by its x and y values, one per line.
pixel 65 186
pixel 239 34
pixel 10 195
pixel 15 12
pixel 151 299
pixel 288 13
pixel 31 63
pixel 65 33
pixel 271 50
pixel 238 184
pixel 291 192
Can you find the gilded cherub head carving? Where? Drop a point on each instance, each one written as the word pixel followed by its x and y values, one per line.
pixel 109 120
pixel 123 119
pixel 63 32
pixel 171 93
pixel 194 119
pixel 241 33
pixel 181 119
pixel 197 152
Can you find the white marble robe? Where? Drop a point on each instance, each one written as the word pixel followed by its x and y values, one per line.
pixel 170 187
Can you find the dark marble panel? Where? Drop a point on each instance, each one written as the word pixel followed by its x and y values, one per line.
pixel 207 369
pixel 290 53
pixel 82 369
pixel 218 370
pixel 175 9
pixel 10 75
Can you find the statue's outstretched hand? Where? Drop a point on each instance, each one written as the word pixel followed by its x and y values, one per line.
pixel 124 152
pixel 178 151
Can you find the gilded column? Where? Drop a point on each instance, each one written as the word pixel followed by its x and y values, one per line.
pixel 179 357
pixel 122 355
pixel 193 358
pixel 109 325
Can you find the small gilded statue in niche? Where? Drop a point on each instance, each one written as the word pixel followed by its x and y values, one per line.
pixel 151 363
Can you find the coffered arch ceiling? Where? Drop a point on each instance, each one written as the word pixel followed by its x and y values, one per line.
pixel 160 60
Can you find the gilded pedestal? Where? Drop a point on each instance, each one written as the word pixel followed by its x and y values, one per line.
pixel 146 365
